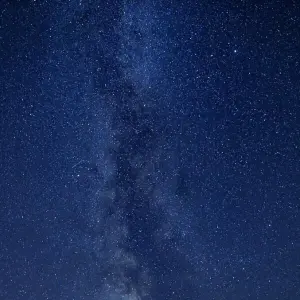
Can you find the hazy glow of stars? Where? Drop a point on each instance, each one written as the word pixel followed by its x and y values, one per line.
pixel 149 150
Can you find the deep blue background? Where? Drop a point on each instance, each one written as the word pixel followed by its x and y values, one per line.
pixel 208 93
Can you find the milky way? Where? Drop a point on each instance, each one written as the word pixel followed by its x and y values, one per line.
pixel 149 150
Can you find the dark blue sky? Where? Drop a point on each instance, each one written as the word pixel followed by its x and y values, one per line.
pixel 149 150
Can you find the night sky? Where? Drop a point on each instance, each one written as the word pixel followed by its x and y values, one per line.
pixel 150 150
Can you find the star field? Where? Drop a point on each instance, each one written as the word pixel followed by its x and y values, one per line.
pixel 149 150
